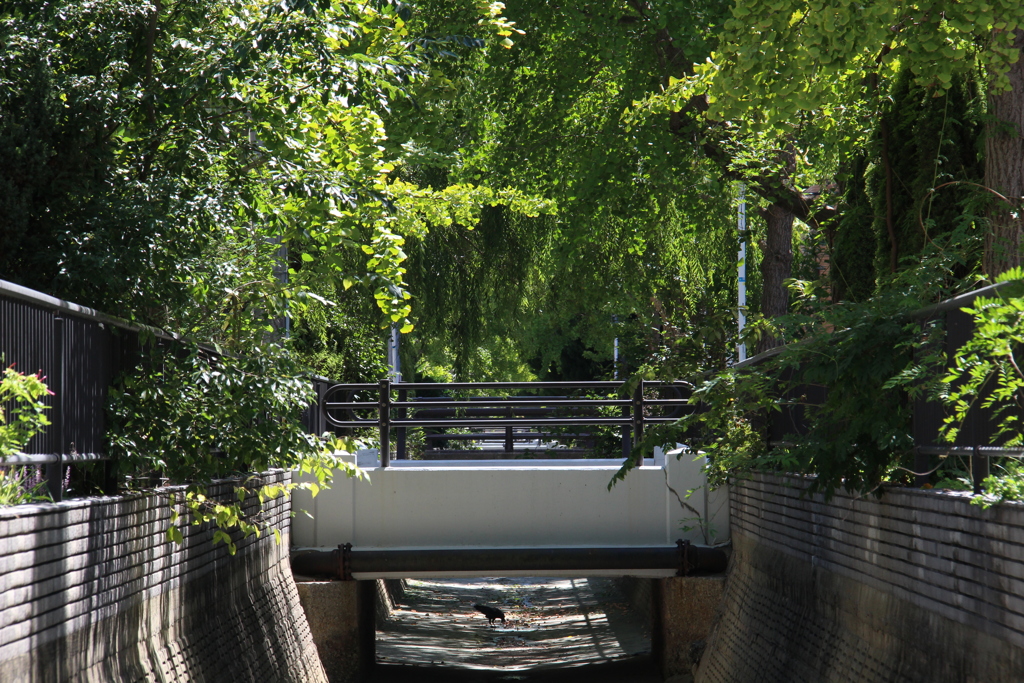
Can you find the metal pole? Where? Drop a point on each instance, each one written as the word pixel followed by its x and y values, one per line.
pixel 615 359
pixel 384 420
pixel 394 361
pixel 282 326
pixel 55 472
pixel 741 284
pixel 626 444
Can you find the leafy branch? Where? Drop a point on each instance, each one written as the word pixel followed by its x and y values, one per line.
pixel 986 373
pixel 194 417
pixel 27 415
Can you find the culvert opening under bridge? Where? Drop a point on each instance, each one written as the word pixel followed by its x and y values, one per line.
pixel 555 629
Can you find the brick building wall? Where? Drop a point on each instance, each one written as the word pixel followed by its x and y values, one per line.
pixel 915 586
pixel 92 591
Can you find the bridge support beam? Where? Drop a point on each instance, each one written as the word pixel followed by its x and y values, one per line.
pixel 342 619
pixel 347 562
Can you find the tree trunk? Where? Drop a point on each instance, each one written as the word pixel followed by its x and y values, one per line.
pixel 1004 170
pixel 776 266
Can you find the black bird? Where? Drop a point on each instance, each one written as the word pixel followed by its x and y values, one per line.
pixel 492 613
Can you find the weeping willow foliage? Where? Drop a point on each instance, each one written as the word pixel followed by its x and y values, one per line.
pixel 472 282
pixel 932 140
pixel 924 139
pixel 642 247
pixel 553 289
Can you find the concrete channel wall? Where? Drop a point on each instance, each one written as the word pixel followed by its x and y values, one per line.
pixel 92 592
pixel 917 586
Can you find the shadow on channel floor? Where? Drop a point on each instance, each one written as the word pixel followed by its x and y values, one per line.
pixel 633 670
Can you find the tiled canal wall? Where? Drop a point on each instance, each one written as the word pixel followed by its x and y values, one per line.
pixel 91 591
pixel 917 586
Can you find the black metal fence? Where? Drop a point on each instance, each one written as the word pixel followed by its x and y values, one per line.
pixel 80 352
pixel 517 414
pixel 980 427
pixel 313 417
pixel 974 438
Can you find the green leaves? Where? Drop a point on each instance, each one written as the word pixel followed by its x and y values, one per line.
pixel 1006 484
pixel 201 418
pixel 22 409
pixel 849 376
pixel 831 48
pixel 987 370
pixel 198 418
pixel 186 148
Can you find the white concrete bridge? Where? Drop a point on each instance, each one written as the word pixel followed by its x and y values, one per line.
pixel 515 505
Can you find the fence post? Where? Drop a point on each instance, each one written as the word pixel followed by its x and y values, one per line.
pixel 627 442
pixel 979 468
pixel 509 444
pixel 403 395
pixel 55 471
pixel 384 420
pixel 638 418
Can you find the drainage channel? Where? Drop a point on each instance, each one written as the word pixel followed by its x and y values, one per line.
pixel 555 629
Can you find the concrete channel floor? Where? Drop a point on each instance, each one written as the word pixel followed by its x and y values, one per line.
pixel 556 630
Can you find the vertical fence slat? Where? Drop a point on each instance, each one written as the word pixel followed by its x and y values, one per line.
pixel 55 471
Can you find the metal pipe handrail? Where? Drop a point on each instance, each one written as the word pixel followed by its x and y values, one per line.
pixel 483 423
pixel 499 403
pixel 507 412
pixel 970 450
pixel 604 384
pixel 50 458
pixel 516 403
pixel 516 436
pixel 958 302
pixel 351 405
pixel 52 303
pixel 953 304
pixel 523 421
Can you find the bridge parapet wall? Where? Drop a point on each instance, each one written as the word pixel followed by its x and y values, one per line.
pixel 915 586
pixel 92 591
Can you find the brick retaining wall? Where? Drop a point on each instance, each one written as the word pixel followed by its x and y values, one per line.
pixel 917 586
pixel 91 591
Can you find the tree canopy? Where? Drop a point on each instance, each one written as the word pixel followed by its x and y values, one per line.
pixel 163 152
pixel 512 186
